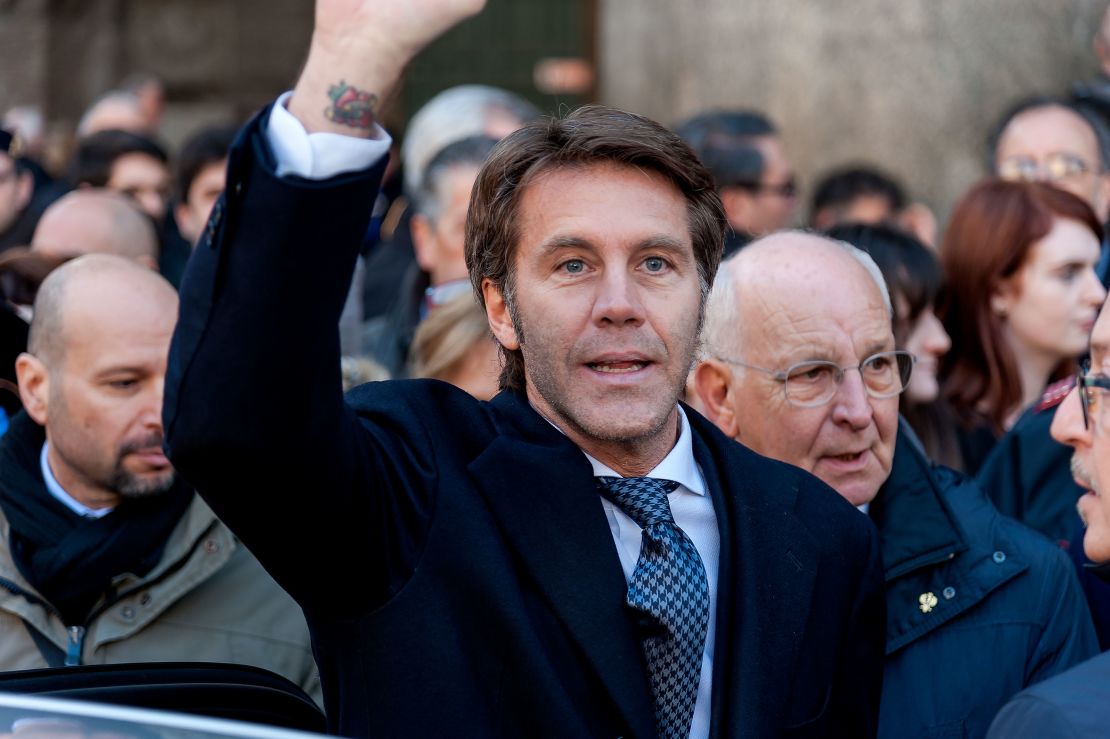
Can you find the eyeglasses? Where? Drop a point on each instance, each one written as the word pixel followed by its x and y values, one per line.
pixel 815 382
pixel 1055 167
pixel 787 189
pixel 1087 385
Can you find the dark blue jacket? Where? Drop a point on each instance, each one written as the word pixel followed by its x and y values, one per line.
pixel 1075 705
pixel 1028 476
pixel 978 606
pixel 452 557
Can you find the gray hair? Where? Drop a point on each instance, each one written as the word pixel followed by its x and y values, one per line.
pixel 721 330
pixel 455 113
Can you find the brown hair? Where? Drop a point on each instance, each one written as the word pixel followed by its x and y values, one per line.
pixel 988 239
pixel 593 134
pixel 444 339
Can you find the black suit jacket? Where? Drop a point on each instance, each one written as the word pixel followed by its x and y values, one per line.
pixel 453 557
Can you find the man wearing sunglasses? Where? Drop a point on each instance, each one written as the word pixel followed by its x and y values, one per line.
pixel 1077 703
pixel 800 365
pixel 743 152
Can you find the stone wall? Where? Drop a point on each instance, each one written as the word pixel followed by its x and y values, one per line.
pixel 912 84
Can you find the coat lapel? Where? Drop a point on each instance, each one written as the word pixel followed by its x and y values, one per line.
pixel 767 574
pixel 541 490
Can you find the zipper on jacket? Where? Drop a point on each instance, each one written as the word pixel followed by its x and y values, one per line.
pixel 75 639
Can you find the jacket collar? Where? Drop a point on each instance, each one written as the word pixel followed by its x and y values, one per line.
pixel 768 568
pixel 916 526
pixel 540 488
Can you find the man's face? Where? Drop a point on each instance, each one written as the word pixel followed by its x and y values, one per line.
pixel 774 202
pixel 607 301
pixel 192 215
pixel 1091 460
pixel 1052 139
pixel 143 178
pixel 104 393
pixel 819 306
pixel 439 241
pixel 15 192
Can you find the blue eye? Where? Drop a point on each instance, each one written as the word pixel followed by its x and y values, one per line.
pixel 655 264
pixel 574 266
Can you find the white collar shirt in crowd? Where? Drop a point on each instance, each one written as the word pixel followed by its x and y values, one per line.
pixel 61 495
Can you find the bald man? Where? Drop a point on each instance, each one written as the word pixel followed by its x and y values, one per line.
pixel 96 221
pixel 130 564
pixel 800 365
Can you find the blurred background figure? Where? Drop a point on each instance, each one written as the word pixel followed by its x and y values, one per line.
pixel 1094 94
pixel 128 163
pixel 453 114
pixel 743 152
pixel 439 272
pixel 97 221
pixel 150 94
pixel 1022 294
pixel 1045 139
pixel 199 175
pixel 455 345
pixel 17 186
pixel 914 280
pixel 115 110
pixel 861 194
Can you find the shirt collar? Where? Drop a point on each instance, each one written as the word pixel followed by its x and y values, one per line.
pixel 679 464
pixel 62 496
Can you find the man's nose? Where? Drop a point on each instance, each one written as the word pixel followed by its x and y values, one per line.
pixel 152 407
pixel 852 404
pixel 1067 424
pixel 618 299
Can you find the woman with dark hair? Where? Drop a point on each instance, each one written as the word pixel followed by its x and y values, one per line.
pixel 1022 294
pixel 913 278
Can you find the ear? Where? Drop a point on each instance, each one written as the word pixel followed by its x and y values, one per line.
pixel 737 202
pixel 713 382
pixel 423 242
pixel 1002 298
pixel 497 313
pixel 34 386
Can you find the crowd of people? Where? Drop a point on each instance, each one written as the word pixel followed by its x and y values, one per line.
pixel 672 467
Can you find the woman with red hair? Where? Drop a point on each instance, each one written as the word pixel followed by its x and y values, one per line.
pixel 1019 262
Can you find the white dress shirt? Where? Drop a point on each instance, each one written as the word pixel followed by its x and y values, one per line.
pixel 63 497
pixel 324 155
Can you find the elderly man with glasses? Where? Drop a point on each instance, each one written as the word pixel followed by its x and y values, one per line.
pixel 800 365
pixel 1077 703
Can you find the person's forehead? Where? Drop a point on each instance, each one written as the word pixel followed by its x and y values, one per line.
pixel 109 318
pixel 1048 130
pixel 561 193
pixel 815 305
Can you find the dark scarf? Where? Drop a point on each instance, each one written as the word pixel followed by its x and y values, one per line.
pixel 71 560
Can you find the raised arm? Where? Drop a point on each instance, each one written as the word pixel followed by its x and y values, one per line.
pixel 359 49
pixel 254 411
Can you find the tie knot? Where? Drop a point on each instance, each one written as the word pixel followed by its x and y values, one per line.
pixel 644 499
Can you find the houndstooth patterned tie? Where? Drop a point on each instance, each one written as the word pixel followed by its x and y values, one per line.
pixel 670 585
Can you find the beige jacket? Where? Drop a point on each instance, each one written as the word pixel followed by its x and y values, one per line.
pixel 208 600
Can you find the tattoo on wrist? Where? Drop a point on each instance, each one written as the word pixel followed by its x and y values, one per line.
pixel 351 106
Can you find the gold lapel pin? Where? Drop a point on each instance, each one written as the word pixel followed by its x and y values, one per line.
pixel 927 602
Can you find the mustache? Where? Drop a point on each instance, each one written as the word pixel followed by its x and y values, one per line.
pixel 1080 473
pixel 151 440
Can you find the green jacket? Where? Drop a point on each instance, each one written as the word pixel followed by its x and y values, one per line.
pixel 208 600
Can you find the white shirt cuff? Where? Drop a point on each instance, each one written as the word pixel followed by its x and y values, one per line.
pixel 318 156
